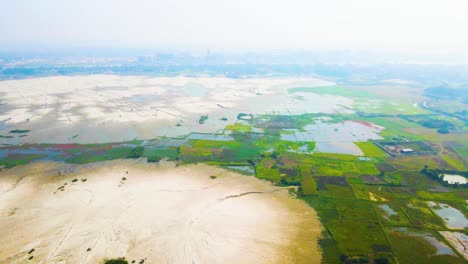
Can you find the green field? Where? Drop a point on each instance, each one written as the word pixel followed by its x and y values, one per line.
pixel 371 150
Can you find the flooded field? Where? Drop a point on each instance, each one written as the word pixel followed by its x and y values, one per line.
pixel 243 169
pixel 440 247
pixel 452 217
pixel 108 108
pixel 215 137
pixel 388 211
pixel 336 137
pixel 56 213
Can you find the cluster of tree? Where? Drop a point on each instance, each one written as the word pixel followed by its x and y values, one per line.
pixel 361 259
pixel 203 118
pixel 136 152
pixel 436 175
pixel 116 261
pixel 154 158
pixel 435 123
pixel 289 181
pixel 443 92
pixel 442 126
pixel 243 116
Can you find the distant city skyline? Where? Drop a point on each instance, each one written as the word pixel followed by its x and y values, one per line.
pixel 416 26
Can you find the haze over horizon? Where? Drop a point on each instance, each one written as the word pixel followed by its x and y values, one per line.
pixel 398 26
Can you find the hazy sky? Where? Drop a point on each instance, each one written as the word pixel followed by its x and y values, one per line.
pixel 408 25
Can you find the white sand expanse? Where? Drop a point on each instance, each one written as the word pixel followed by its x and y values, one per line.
pixel 160 213
pixel 109 108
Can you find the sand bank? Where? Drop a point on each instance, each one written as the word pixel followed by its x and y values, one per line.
pixel 161 213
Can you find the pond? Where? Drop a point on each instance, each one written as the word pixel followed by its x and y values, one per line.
pixel 441 248
pixel 453 178
pixel 452 217
pixel 389 212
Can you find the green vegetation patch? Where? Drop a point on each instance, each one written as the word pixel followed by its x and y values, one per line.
pixel 354 209
pixel 116 261
pixel 360 191
pixel 439 196
pixel 371 150
pixel 19 131
pixel 380 193
pixel 371 179
pixel 239 127
pixel 416 163
pixel 266 169
pixel 136 152
pixel 325 207
pixel 160 153
pixel 384 167
pixel 309 185
pixel 365 167
pixel 330 252
pixel 396 127
pixel 393 178
pixel 19 159
pixel 223 151
pixel 462 151
pixel 455 161
pixel 334 186
pixel 274 124
pixel 391 214
pixel 419 214
pixel 355 180
pixel 359 238
pixel 335 156
pixel 106 153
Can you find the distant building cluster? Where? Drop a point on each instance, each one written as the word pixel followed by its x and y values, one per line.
pixel 408 148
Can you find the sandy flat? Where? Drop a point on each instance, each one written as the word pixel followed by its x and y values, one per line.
pixel 160 213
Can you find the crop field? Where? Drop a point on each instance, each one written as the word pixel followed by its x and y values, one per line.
pixel 454 161
pixel 371 150
pixel 462 151
pixel 417 162
pixel 395 127
pixel 239 127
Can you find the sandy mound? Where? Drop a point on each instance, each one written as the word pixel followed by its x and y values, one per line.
pixel 163 214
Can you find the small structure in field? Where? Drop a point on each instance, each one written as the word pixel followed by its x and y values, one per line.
pixel 406 150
